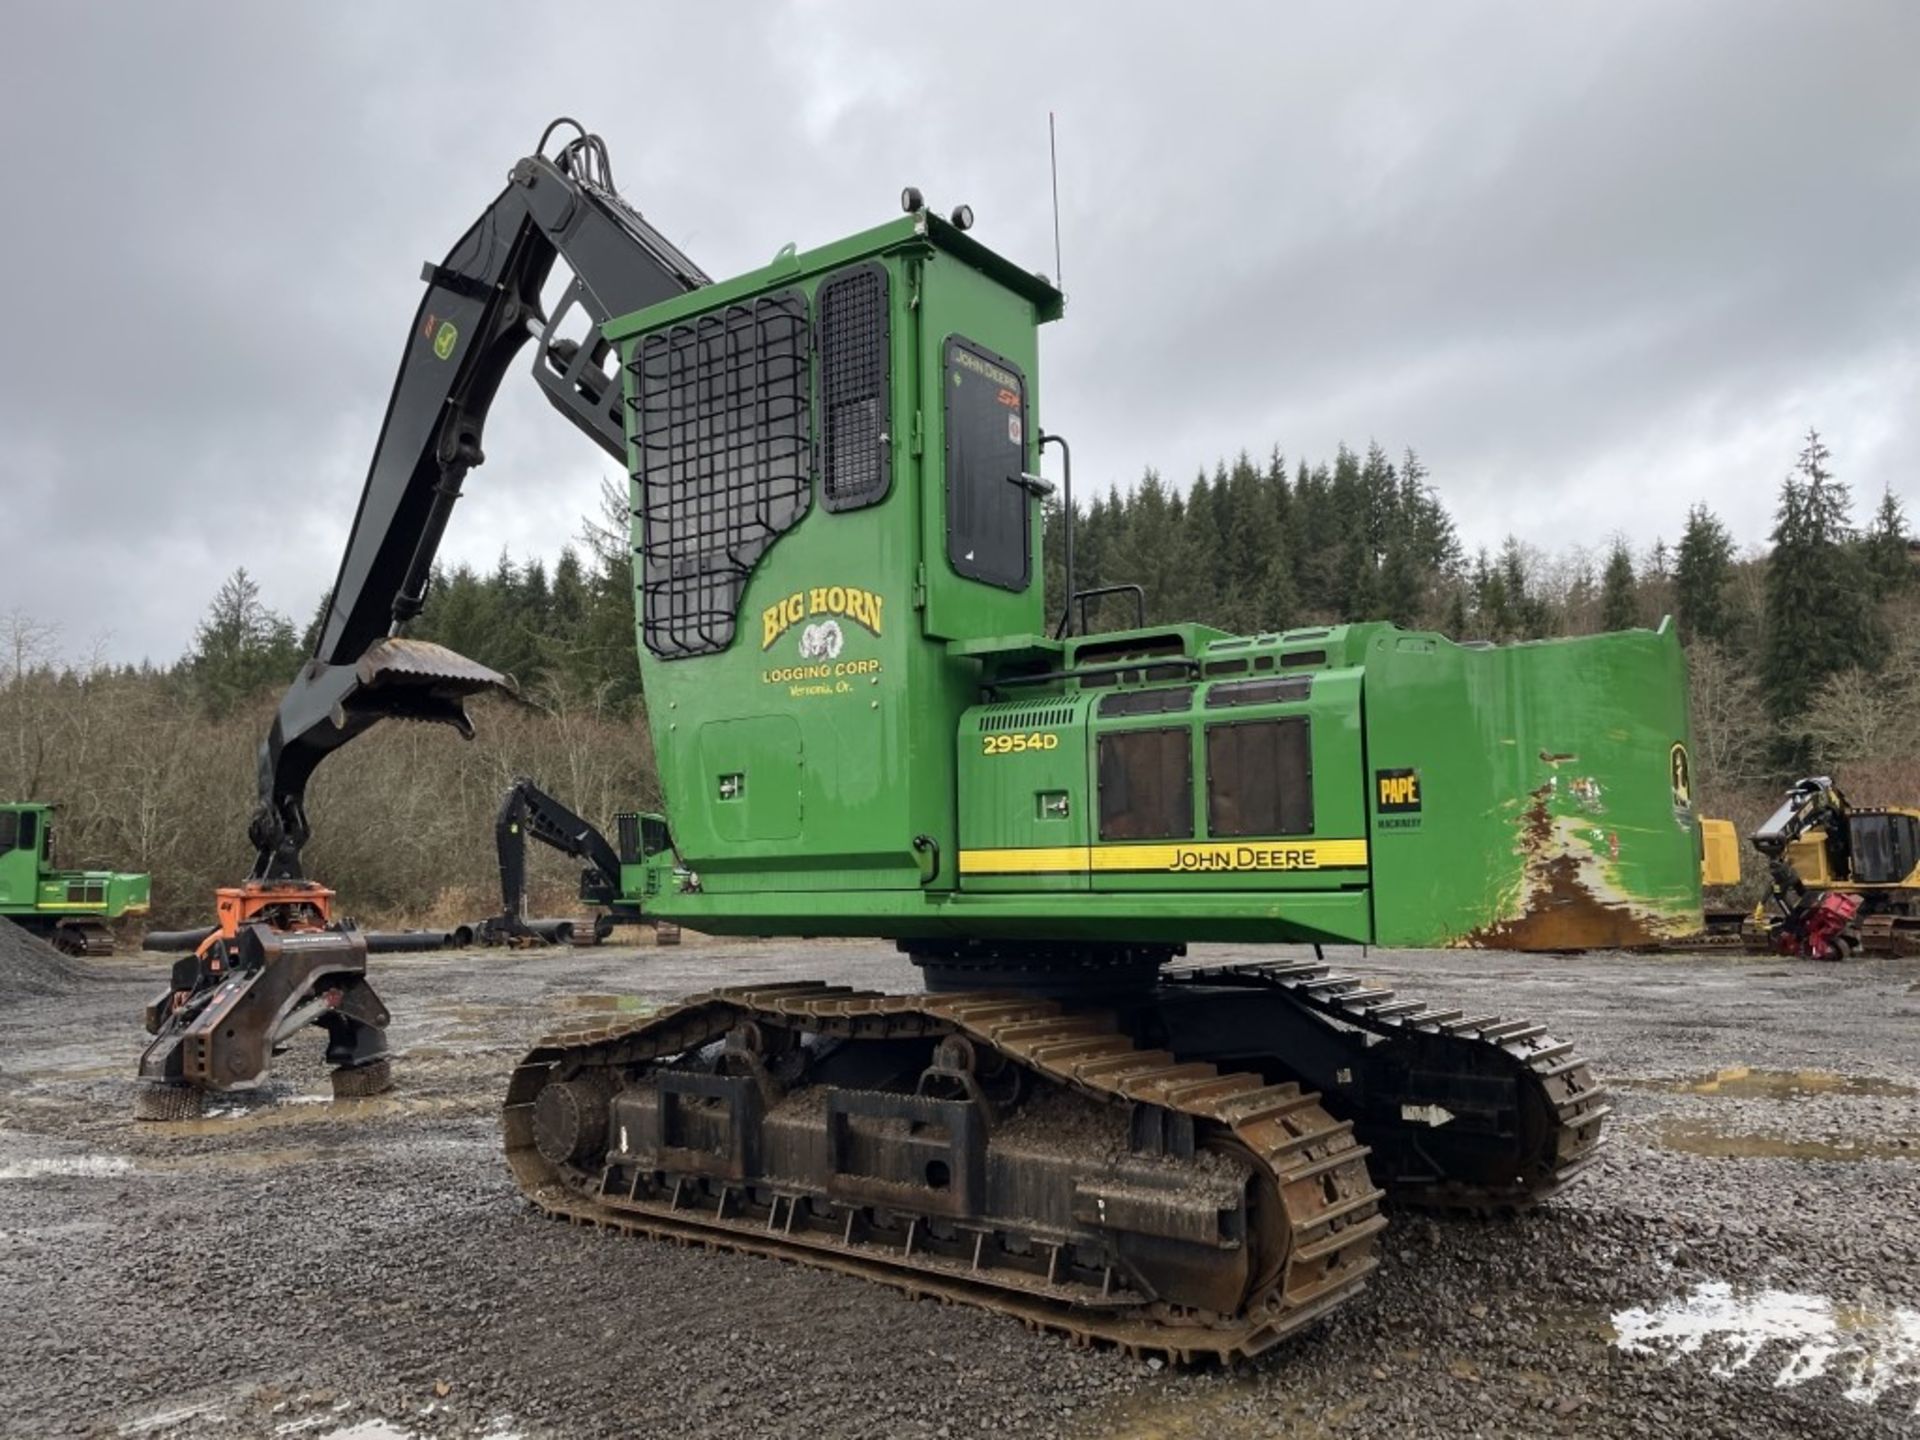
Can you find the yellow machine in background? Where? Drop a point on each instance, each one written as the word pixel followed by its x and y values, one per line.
pixel 1720 853
pixel 1842 879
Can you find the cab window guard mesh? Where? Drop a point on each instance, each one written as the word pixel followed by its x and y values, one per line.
pixel 722 443
pixel 856 448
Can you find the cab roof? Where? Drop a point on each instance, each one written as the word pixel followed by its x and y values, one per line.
pixel 922 229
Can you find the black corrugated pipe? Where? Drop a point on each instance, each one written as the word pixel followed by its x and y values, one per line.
pixel 175 941
pixel 399 942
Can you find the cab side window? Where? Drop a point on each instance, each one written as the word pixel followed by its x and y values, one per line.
pixel 856 444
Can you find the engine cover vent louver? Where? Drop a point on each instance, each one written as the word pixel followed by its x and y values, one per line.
pixel 1025 717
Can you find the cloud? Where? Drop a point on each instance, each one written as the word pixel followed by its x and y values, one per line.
pixel 1594 261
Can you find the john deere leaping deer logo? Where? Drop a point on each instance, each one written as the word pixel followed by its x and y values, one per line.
pixel 442 335
pixel 823 639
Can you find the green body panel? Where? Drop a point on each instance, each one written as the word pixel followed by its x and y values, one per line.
pixel 1332 713
pixel 937 768
pixel 30 885
pixel 1023 768
pixel 1555 809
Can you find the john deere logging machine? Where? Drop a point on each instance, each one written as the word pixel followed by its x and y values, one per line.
pixel 68 907
pixel 867 725
pixel 528 812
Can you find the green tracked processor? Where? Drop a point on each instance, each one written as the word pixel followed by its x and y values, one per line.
pixel 70 908
pixel 867 724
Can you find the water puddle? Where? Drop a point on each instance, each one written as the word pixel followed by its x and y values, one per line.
pixel 274 1158
pixel 1692 1137
pixel 90 1167
pixel 175 1418
pixel 1873 1352
pixel 1742 1082
pixel 309 1108
pixel 83 1071
pixel 470 1038
pixel 1181 1412
pixel 97 1167
pixel 388 1430
pixel 473 1014
pixel 622 1004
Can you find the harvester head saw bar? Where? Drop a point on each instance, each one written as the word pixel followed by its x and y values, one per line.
pixel 274 965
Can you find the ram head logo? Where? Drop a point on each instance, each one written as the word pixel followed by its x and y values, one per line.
pixel 822 641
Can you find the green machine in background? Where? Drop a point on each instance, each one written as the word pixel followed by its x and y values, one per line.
pixel 68 907
pixel 865 726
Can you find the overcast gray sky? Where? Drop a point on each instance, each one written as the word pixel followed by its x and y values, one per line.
pixel 1593 261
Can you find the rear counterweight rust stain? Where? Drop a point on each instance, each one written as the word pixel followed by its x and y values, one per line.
pixel 1562 910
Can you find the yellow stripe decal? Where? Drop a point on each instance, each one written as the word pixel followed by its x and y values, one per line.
pixel 1190 858
pixel 1047 860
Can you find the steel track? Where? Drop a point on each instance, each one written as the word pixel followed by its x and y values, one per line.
pixel 1557 1081
pixel 1318 1210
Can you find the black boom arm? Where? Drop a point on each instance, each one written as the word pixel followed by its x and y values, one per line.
pixel 483 302
pixel 528 812
pixel 1810 803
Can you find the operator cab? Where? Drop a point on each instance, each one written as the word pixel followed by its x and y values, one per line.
pixel 1884 846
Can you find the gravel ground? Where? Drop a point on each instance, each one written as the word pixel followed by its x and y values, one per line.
pixel 29 966
pixel 292 1267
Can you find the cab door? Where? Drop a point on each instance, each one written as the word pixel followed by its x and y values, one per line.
pixel 19 857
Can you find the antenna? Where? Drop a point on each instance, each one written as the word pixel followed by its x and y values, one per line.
pixel 1053 160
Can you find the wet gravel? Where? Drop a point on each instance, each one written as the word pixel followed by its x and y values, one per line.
pixel 292 1267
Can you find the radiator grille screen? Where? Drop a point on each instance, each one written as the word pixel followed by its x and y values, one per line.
pixel 1146 785
pixel 1260 778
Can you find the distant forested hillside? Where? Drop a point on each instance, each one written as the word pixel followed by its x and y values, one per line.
pixel 1804 655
